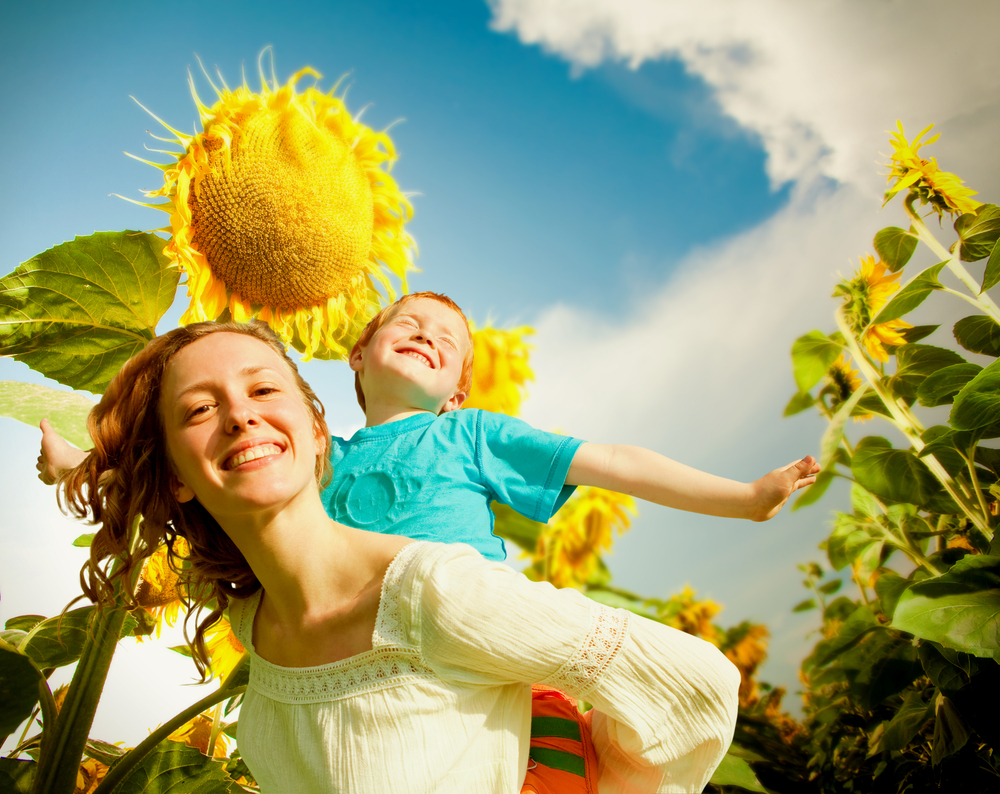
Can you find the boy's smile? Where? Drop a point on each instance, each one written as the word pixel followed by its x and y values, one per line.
pixel 414 361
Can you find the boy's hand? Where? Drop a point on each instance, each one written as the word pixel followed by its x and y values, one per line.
pixel 57 455
pixel 772 490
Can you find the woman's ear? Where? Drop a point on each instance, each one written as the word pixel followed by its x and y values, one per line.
pixel 182 493
pixel 322 442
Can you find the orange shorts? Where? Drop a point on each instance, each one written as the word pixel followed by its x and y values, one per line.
pixel 562 756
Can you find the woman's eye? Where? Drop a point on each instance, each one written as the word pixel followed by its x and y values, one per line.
pixel 263 391
pixel 198 410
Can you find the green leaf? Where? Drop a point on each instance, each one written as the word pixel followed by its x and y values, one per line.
pixel 804 606
pixel 917 332
pixel 959 609
pixel 914 292
pixel 812 356
pixel 869 561
pixel 889 588
pixel 58 641
pixel 16 777
pixel 950 733
pixel 895 246
pixel 895 474
pixel 860 622
pixel 19 682
pixel 831 587
pixel 978 334
pixel 978 232
pixel 978 403
pixel 907 722
pixel 992 274
pixel 734 771
pixel 30 403
pixel 864 503
pixel 941 387
pixel 848 540
pixel 915 363
pixel 84 541
pixel 78 311
pixel 945 675
pixel 24 622
pixel 800 402
pixel 172 766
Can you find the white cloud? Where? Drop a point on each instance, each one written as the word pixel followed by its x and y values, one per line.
pixel 819 82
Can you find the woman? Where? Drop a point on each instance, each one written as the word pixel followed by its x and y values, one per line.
pixel 379 664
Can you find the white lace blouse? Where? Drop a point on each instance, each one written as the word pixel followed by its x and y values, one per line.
pixel 442 702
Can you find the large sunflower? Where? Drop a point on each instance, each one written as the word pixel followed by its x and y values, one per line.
pixel 864 296
pixel 501 371
pixel 281 209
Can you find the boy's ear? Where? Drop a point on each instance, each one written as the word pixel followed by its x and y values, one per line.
pixel 182 493
pixel 454 402
pixel 355 360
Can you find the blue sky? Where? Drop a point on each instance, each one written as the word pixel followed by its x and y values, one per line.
pixel 667 194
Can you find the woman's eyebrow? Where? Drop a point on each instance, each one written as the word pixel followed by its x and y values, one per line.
pixel 206 384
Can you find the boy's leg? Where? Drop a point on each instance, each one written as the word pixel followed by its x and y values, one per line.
pixel 562 756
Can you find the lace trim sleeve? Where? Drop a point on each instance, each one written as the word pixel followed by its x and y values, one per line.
pixel 605 637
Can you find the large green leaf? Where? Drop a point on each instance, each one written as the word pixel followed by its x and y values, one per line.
pixel 734 771
pixel 911 295
pixel 978 403
pixel 16 777
pixel 914 363
pixel 812 355
pixel 991 276
pixel 978 232
pixel 799 403
pixel 959 609
pixel 907 722
pixel 849 539
pixel 175 767
pixel 890 587
pixel 940 388
pixel 978 334
pixel 950 731
pixel 896 474
pixel 895 246
pixel 58 641
pixel 19 681
pixel 943 673
pixel 30 403
pixel 78 311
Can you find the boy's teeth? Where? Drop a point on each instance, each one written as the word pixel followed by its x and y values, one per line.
pixel 253 453
pixel 418 357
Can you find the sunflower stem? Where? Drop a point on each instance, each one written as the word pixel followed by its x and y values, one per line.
pixel 908 425
pixel 982 300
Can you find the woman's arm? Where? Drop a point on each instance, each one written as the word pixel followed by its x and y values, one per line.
pixel 664 701
pixel 648 475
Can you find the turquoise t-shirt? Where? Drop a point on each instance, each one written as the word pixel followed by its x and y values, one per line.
pixel 431 477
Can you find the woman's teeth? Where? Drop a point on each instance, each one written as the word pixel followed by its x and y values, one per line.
pixel 254 453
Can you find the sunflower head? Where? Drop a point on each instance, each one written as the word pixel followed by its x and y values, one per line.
pixel 570 547
pixel 942 190
pixel 501 371
pixel 158 591
pixel 197 733
pixel 281 209
pixel 864 296
pixel 224 650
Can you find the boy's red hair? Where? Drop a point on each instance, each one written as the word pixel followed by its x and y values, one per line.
pixel 380 319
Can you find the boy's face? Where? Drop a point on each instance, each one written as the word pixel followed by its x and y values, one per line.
pixel 415 359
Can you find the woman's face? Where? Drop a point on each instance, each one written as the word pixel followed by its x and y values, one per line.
pixel 238 432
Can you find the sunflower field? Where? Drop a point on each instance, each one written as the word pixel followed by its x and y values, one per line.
pixel 898 689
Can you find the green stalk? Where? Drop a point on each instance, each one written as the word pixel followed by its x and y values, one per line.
pixel 131 759
pixel 983 301
pixel 62 747
pixel 910 427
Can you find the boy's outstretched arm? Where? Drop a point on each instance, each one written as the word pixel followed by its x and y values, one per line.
pixel 57 455
pixel 648 475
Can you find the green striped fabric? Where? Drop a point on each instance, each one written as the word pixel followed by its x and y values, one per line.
pixel 558 759
pixel 555 727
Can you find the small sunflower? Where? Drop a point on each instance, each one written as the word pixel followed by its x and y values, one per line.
pixel 863 297
pixel 569 548
pixel 501 369
pixel 942 190
pixel 280 209
pixel 844 381
pixel 223 648
pixel 157 591
pixel 748 652
pixel 197 733
pixel 685 612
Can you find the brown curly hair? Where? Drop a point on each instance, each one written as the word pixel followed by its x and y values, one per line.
pixel 127 480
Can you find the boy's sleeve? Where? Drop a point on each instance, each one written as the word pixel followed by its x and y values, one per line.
pixel 524 467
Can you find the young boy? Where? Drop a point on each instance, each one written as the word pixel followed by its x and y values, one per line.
pixel 419 458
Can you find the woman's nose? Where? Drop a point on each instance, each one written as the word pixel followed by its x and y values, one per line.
pixel 241 415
